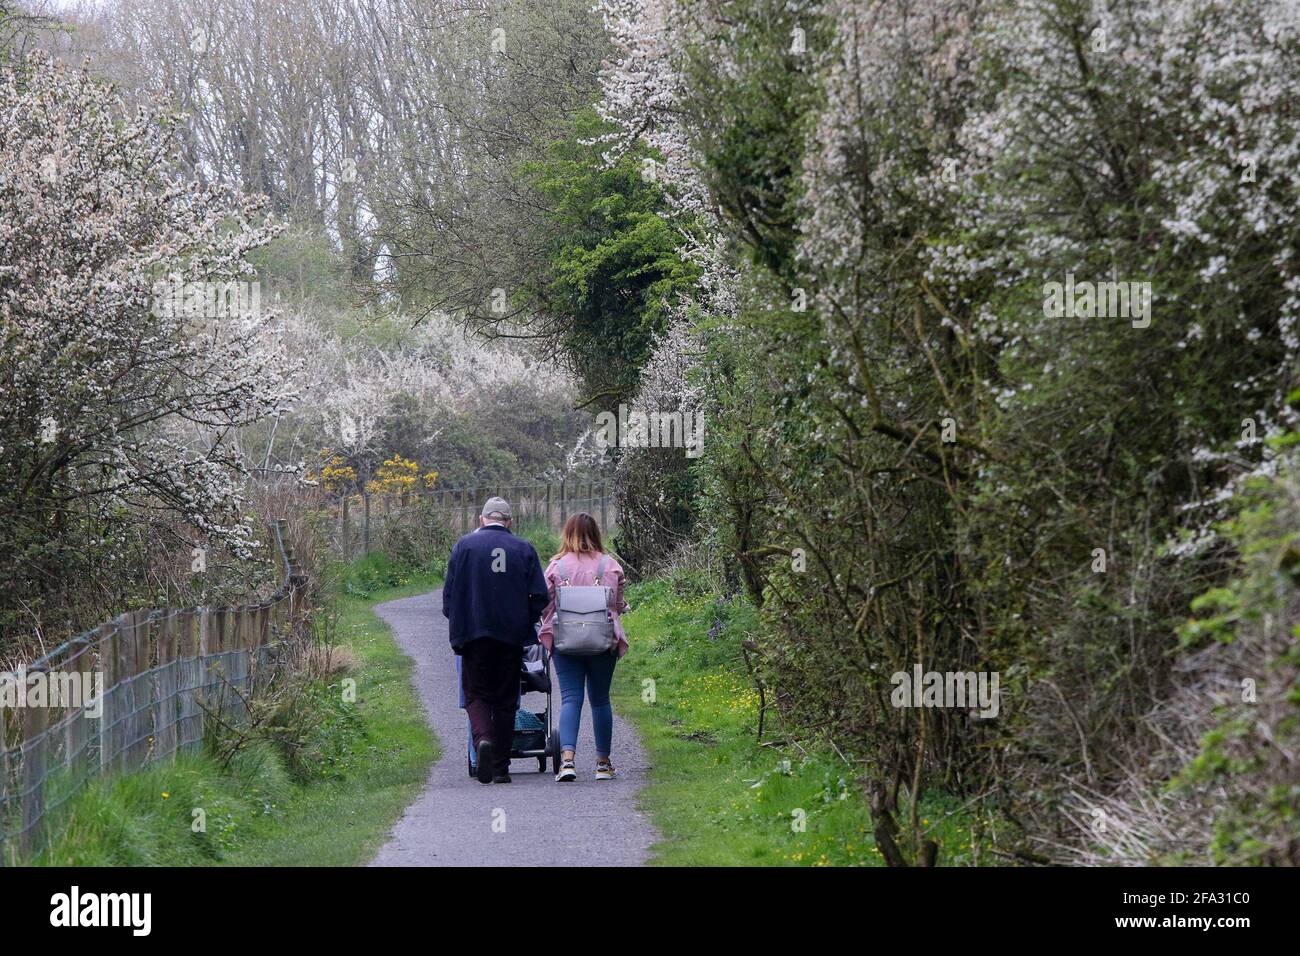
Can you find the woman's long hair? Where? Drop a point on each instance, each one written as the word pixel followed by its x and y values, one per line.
pixel 581 535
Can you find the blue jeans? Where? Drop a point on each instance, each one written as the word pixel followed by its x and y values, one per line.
pixel 596 673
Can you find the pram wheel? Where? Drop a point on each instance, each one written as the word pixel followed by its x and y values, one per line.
pixel 555 750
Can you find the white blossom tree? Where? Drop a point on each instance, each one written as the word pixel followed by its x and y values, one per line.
pixel 120 383
pixel 918 421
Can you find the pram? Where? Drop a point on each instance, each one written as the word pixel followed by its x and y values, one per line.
pixel 535 733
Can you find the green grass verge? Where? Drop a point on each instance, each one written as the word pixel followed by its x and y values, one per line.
pixel 366 764
pixel 542 537
pixel 716 796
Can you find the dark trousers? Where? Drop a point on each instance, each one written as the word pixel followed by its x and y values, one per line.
pixel 490 676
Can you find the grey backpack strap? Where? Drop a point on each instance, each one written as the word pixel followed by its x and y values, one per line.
pixel 565 577
pixel 601 565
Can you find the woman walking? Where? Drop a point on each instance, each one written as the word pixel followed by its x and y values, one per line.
pixel 582 562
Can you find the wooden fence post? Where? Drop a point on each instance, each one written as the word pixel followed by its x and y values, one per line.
pixel 203 638
pixel 258 653
pixel 152 637
pixel 110 730
pixel 604 504
pixel 365 523
pixel 238 668
pixel 76 729
pixel 34 722
pixel 164 733
pixel 563 515
pixel 190 649
pixel 128 651
pixel 549 519
pixel 4 784
pixel 345 535
pixel 297 601
pixel 211 640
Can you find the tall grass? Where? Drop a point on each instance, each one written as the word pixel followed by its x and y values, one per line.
pixel 719 796
pixel 329 802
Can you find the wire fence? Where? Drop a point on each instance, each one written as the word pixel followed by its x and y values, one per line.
pixel 131 692
pixel 360 519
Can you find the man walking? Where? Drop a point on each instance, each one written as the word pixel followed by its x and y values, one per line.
pixel 493 594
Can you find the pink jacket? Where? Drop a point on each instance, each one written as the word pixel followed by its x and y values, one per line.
pixel 582 572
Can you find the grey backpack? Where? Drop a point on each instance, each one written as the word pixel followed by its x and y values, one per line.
pixel 583 625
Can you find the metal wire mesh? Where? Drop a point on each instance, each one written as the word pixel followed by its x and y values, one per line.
pixel 131 692
pixel 358 519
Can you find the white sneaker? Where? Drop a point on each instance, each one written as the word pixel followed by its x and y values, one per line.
pixel 604 769
pixel 568 773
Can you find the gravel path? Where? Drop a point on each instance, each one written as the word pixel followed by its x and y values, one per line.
pixel 587 823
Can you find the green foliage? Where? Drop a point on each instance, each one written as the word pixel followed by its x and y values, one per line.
pixel 418 541
pixel 921 465
pixel 505 435
pixel 325 794
pixel 302 266
pixel 146 818
pixel 542 537
pixel 1247 635
pixel 378 571
pixel 758 117
pixel 612 265
pixel 716 795
pixel 318 733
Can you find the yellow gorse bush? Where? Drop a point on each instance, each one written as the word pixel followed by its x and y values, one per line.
pixel 395 476
pixel 337 473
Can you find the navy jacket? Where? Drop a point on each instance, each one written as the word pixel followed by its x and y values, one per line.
pixel 494 588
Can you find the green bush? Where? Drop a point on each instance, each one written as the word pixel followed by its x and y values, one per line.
pixel 542 537
pixel 915 458
pixel 417 538
pixel 722 797
pixel 374 572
